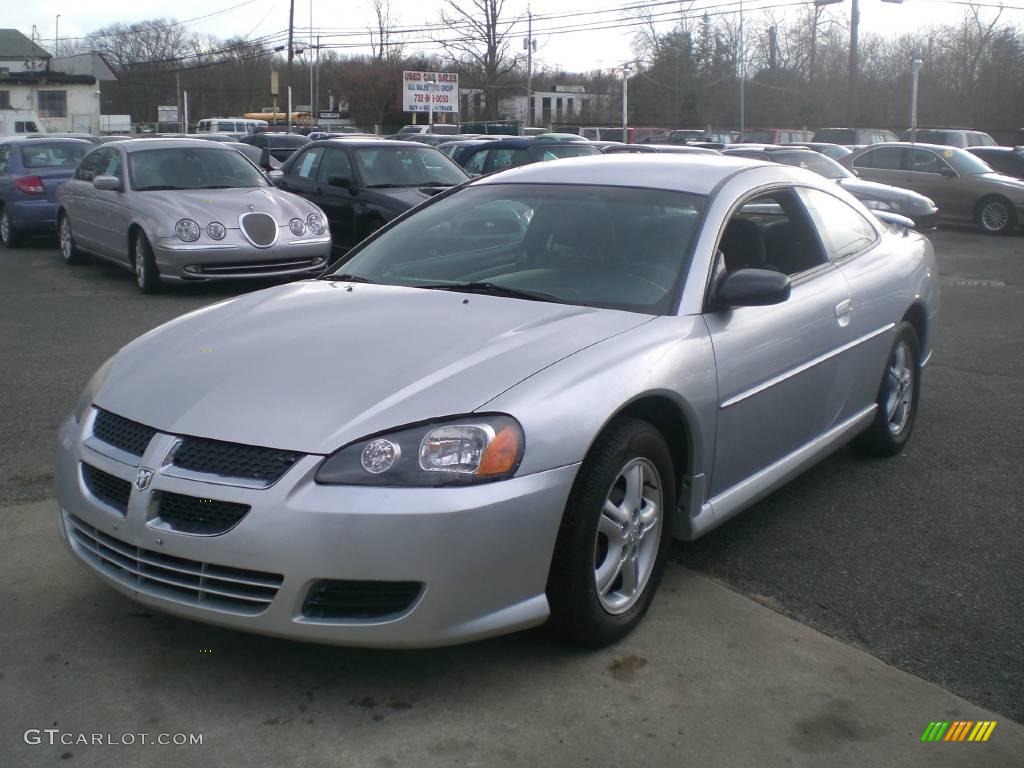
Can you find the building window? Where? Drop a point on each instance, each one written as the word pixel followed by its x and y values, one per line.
pixel 52 103
pixel 5 99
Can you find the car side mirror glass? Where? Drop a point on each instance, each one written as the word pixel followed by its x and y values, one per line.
pixel 107 183
pixel 336 180
pixel 265 163
pixel 752 288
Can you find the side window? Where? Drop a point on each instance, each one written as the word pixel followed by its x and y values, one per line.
pixel 771 231
pixel 5 157
pixel 883 158
pixel 92 163
pixel 843 231
pixel 307 164
pixel 926 161
pixel 500 159
pixel 476 162
pixel 335 162
pixel 114 167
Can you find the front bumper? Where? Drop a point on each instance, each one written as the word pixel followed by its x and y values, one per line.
pixel 236 258
pixel 482 552
pixel 925 222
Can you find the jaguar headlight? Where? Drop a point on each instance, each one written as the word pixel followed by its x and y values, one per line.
pixel 297 226
pixel 463 451
pixel 89 393
pixel 316 223
pixel 187 230
pixel 878 205
pixel 216 230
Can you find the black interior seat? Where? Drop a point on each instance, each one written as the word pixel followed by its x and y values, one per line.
pixel 743 245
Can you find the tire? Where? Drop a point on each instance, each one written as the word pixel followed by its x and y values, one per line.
pixel 894 419
pixel 996 216
pixel 8 234
pixel 146 275
pixel 599 535
pixel 68 250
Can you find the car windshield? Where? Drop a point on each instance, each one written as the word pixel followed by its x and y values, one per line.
pixel 410 166
pixel 813 161
pixel 53 155
pixel 965 162
pixel 615 247
pixel 192 168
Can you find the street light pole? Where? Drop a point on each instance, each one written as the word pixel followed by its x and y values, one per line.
pixel 851 85
pixel 915 68
pixel 430 80
pixel 743 76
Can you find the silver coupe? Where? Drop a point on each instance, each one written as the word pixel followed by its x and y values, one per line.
pixel 186 210
pixel 502 406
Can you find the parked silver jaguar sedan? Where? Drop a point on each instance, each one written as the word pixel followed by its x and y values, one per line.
pixel 186 209
pixel 514 398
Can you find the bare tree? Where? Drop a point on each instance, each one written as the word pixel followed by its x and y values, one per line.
pixel 480 43
pixel 386 46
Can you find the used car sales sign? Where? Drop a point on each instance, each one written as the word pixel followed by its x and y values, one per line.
pixel 421 89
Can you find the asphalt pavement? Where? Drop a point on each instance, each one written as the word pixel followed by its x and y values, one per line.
pixel 915 560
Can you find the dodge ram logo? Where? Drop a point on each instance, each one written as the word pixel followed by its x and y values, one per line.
pixel 143 479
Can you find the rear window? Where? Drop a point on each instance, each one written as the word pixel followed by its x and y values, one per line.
pixel 559 151
pixel 53 155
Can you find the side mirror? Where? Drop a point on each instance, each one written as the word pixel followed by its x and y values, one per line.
pixel 336 180
pixel 752 288
pixel 107 183
pixel 275 175
pixel 265 159
pixel 949 173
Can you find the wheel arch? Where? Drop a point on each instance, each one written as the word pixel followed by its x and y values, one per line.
pixel 133 230
pixel 918 318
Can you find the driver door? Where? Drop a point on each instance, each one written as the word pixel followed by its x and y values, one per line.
pixel 780 381
pixel 339 203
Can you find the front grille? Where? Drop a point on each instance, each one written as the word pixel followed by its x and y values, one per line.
pixel 216 457
pixel 111 490
pixel 174 578
pixel 129 436
pixel 334 599
pixel 260 229
pixel 190 514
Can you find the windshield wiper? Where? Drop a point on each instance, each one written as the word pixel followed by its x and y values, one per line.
pixel 159 188
pixel 495 290
pixel 346 277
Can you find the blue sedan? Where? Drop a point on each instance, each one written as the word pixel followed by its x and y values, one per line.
pixel 31 170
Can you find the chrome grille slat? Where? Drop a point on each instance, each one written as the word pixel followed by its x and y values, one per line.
pixel 174 578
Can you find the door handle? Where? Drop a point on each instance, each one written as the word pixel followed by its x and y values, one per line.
pixel 844 307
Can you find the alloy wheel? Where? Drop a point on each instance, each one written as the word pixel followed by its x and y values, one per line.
pixel 140 262
pixel 628 536
pixel 901 388
pixel 995 217
pixel 65 238
pixel 5 227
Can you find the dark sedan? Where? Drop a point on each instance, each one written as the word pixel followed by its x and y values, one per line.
pixel 511 153
pixel 259 157
pixel 280 145
pixel 30 172
pixel 880 197
pixel 1008 161
pixel 363 184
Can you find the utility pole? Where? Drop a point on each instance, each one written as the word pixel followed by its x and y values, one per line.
pixel 312 114
pixel 288 66
pixel 531 46
pixel 56 36
pixel 915 69
pixel 852 81
pixel 625 110
pixel 742 74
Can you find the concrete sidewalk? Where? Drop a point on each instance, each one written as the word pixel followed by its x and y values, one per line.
pixel 711 678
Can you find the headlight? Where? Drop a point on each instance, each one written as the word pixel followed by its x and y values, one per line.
pixel 879 205
pixel 187 230
pixel 474 449
pixel 297 227
pixel 89 393
pixel 316 223
pixel 216 230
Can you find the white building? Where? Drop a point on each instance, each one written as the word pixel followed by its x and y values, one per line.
pixel 29 82
pixel 564 104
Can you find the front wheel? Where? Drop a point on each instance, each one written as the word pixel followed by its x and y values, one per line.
pixel 8 234
pixel 68 250
pixel 146 275
pixel 996 216
pixel 614 537
pixel 898 398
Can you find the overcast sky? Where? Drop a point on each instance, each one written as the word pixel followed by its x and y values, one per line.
pixel 575 51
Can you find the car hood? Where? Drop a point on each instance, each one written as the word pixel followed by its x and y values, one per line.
pixel 870 190
pixel 313 365
pixel 223 205
pixel 1009 185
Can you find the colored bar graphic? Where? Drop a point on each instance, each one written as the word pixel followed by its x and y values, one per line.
pixel 958 730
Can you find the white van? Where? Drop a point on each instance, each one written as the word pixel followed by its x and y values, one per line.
pixel 229 125
pixel 18 122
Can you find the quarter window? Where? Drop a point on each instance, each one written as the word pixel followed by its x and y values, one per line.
pixel 843 231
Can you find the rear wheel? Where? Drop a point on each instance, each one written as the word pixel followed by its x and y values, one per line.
pixel 68 250
pixel 996 216
pixel 8 234
pixel 898 398
pixel 146 275
pixel 615 536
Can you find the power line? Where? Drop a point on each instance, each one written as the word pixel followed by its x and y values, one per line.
pixel 170 25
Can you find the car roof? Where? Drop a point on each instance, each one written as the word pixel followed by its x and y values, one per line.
pixel 141 145
pixel 35 139
pixel 693 173
pixel 358 142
